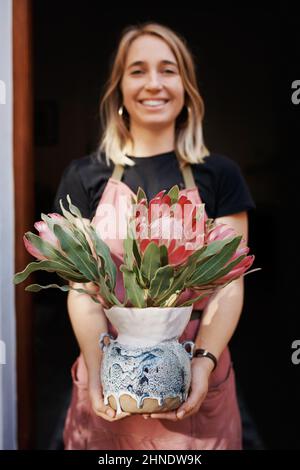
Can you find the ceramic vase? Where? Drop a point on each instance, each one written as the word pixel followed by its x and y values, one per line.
pixel 145 369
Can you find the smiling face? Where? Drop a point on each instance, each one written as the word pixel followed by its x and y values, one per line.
pixel 152 88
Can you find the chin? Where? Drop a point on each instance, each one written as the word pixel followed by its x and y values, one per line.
pixel 157 121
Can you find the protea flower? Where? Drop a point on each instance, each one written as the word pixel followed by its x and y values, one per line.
pixel 174 254
pixel 174 222
pixel 45 234
pixel 222 232
pixel 240 268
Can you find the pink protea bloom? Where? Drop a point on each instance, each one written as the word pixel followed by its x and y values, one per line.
pixel 238 270
pixel 221 232
pixel 33 250
pixel 174 225
pixel 46 234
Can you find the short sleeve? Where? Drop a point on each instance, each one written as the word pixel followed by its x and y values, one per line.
pixel 233 194
pixel 71 183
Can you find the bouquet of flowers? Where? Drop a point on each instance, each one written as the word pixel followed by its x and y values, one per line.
pixel 173 256
pixel 170 248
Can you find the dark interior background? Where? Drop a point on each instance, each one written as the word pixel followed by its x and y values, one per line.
pixel 246 61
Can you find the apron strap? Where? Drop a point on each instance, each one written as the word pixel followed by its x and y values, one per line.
pixel 188 176
pixel 118 172
pixel 186 171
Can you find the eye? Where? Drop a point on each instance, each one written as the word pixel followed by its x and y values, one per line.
pixel 136 72
pixel 169 71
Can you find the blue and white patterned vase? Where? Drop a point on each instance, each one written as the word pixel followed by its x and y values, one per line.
pixel 145 369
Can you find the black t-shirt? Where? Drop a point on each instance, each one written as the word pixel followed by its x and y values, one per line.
pixel 219 180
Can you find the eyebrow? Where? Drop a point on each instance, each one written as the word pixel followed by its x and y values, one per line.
pixel 141 62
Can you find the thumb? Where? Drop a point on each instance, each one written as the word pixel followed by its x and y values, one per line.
pixel 193 401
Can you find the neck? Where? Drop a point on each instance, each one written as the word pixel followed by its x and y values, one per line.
pixel 147 142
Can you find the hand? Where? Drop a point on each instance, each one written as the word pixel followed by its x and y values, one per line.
pixel 97 401
pixel 201 370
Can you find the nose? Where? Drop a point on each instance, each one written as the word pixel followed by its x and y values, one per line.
pixel 153 82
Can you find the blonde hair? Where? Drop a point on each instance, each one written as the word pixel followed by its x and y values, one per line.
pixel 116 139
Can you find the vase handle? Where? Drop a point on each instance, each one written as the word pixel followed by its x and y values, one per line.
pixel 191 345
pixel 102 345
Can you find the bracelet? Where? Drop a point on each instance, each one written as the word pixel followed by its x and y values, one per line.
pixel 205 353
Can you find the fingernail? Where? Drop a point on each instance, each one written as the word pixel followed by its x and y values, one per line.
pixel 180 414
pixel 110 413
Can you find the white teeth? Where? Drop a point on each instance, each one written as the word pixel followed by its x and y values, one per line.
pixel 153 102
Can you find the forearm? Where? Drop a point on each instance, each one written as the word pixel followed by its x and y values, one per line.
pixel 220 318
pixel 88 322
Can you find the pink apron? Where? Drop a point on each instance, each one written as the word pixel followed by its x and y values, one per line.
pixel 217 424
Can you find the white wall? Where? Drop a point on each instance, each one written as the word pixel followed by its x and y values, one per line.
pixel 7 306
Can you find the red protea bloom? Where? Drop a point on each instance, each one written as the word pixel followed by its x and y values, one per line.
pixel 178 225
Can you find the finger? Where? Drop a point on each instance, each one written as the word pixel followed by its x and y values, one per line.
pixel 102 410
pixel 98 404
pixel 171 416
pixel 116 418
pixel 121 415
pixel 191 405
pixel 106 412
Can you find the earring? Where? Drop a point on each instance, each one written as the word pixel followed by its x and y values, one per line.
pixel 120 111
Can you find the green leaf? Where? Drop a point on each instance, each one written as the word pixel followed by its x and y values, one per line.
pixel 150 261
pixel 135 293
pixel 161 281
pixel 65 288
pixel 83 261
pixel 139 277
pixel 37 287
pixel 140 195
pixel 208 250
pixel 103 252
pixel 174 194
pixel 128 253
pixel 192 301
pixel 73 209
pixel 70 223
pixel 51 221
pixel 67 214
pixel 217 245
pixel 107 294
pixel 178 283
pixel 136 253
pixel 80 232
pixel 163 255
pixel 50 266
pixel 227 268
pixel 209 269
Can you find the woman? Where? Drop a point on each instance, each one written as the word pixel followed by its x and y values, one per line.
pixel 152 115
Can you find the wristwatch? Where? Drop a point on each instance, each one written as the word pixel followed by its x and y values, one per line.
pixel 205 353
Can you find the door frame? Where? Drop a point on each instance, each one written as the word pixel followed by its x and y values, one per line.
pixel 23 150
